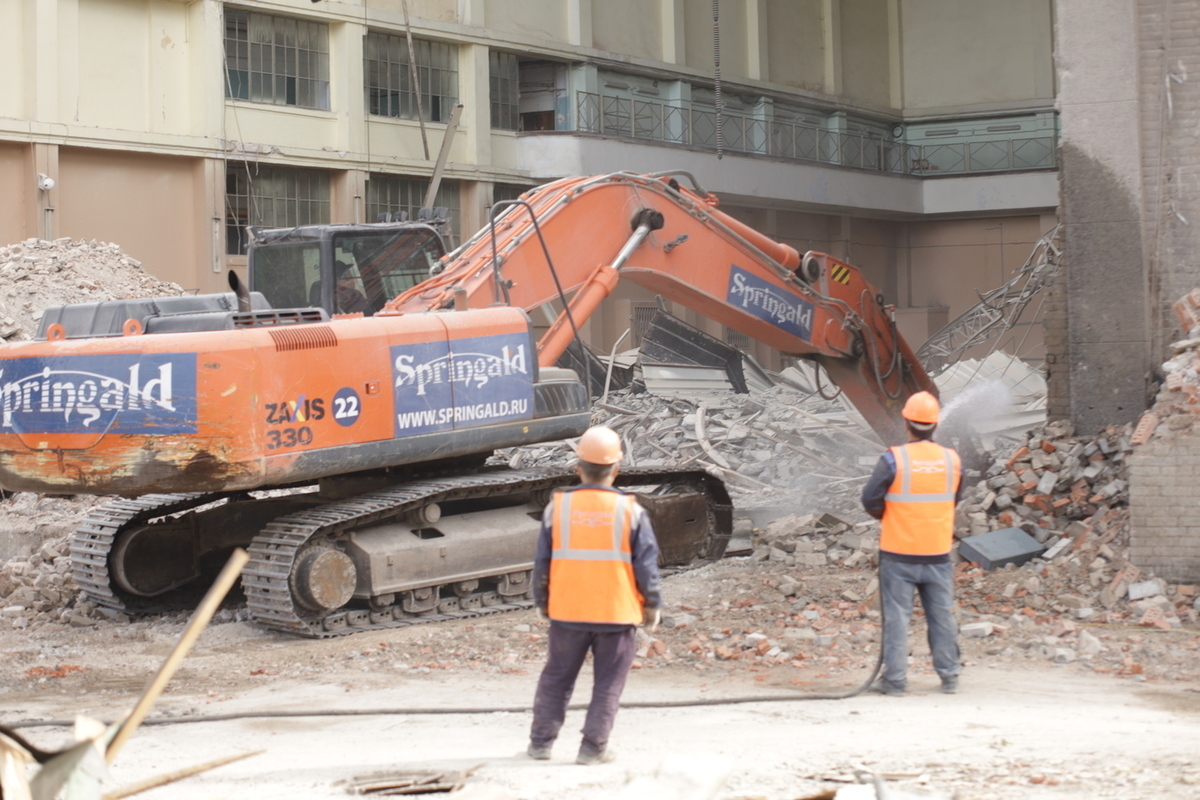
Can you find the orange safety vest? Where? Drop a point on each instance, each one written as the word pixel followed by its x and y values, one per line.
pixel 591 562
pixel 918 509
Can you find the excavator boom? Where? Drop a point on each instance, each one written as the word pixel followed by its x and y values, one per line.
pixel 573 240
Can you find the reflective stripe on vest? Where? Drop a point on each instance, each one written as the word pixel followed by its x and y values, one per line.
pixel 591 559
pixel 918 513
pixel 904 470
pixel 565 551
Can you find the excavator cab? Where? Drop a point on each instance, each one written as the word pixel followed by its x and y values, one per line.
pixel 342 268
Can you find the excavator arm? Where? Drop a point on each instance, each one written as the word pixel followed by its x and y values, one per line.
pixel 573 240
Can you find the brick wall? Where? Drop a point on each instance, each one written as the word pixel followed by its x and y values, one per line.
pixel 1169 45
pixel 1164 507
pixel 1054 333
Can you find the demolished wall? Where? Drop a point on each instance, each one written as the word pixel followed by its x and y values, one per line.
pixel 1164 502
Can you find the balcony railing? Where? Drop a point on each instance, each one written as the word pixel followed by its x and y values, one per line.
pixel 679 124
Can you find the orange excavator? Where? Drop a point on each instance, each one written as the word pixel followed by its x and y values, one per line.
pixel 347 452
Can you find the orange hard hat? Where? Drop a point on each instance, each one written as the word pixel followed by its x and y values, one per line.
pixel 922 408
pixel 600 445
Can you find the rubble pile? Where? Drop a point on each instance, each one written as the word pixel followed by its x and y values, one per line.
pixel 37 586
pixel 1055 486
pixel 1072 494
pixel 767 449
pixel 1177 406
pixel 36 274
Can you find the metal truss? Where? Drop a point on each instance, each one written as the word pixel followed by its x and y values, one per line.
pixel 997 311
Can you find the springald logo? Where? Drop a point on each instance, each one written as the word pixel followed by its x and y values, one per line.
pixel 770 303
pixel 462 383
pixel 81 394
pixel 467 368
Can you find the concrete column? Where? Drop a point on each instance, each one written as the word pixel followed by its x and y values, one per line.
pixel 348 201
pixel 759 138
pixel 831 19
pixel 208 243
pixel 582 78
pixel 346 86
pixel 1042 32
pixel 44 208
pixel 1107 353
pixel 674 36
pixel 837 123
pixel 475 198
pixel 896 55
pixel 206 70
pixel 758 66
pixel 41 60
pixel 579 23
pixel 67 64
pixel 473 12
pixel 474 89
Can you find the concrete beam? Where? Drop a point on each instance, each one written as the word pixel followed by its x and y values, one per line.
pixel 816 187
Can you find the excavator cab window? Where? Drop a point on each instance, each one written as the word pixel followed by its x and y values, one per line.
pixel 384 263
pixel 289 275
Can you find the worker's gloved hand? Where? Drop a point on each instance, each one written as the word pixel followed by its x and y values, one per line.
pixel 650 619
pixel 543 614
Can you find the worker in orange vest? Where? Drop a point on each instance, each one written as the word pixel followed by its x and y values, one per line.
pixel 913 491
pixel 595 577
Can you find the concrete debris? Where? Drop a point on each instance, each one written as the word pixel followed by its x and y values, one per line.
pixel 1176 409
pixel 772 453
pixel 1054 486
pixel 36 274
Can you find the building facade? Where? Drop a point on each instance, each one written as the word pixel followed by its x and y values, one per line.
pixel 916 139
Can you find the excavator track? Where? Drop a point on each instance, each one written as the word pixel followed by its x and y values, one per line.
pixel 276 549
pixel 274 552
pixel 94 539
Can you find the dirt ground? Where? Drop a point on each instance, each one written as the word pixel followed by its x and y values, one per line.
pixel 1022 726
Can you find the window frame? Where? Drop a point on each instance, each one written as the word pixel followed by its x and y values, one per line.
pixel 288 72
pixel 277 203
pixel 387 80
pixel 407 193
pixel 504 90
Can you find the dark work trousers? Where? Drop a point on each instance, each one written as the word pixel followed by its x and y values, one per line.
pixel 612 656
pixel 935 584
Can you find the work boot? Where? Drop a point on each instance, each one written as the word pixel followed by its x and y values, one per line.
pixel 588 758
pixel 884 686
pixel 538 753
pixel 950 684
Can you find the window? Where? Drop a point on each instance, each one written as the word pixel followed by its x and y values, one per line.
pixel 389 80
pixel 505 90
pixel 271 197
pixel 388 194
pixel 382 264
pixel 279 60
pixel 506 191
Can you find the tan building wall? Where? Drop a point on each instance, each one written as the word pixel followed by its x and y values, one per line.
pixel 864 36
pixel 975 52
pixel 14 89
pixel 17 181
pixel 795 40
pixel 145 203
pixel 612 31
pixel 698 24
pixel 542 19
